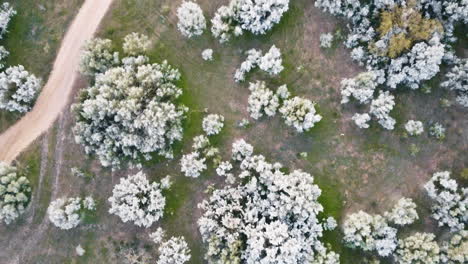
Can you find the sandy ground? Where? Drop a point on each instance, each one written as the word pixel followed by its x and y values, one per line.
pixel 56 93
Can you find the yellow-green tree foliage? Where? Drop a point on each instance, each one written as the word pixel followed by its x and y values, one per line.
pixel 413 27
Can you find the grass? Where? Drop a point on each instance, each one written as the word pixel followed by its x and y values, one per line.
pixel 33 38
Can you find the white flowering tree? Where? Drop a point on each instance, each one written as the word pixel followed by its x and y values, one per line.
pixel 403 213
pixel 300 113
pixel 191 19
pixel 97 57
pixel 262 101
pixel 450 202
pixel 6 13
pixel 361 120
pixel 137 200
pixel 418 248
pixel 454 251
pixel 174 251
pixel 255 222
pixel 414 128
pixel 129 112
pixel 68 213
pixel 381 107
pixel 241 150
pixel 18 89
pixel 369 233
pixel 251 62
pixel 207 54
pixel 192 164
pixel 326 40
pixel 135 44
pixel 15 193
pixel 271 62
pixel 457 80
pixel 255 16
pixel 361 87
pixel 213 124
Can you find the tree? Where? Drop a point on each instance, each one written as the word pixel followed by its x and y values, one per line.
pixel 207 54
pixel 369 232
pixel 403 213
pixel 97 57
pixel 414 128
pixel 437 131
pixel 6 13
pixel 192 164
pixel 457 80
pixel 450 202
pixel 136 44
pixel 68 213
pixel 129 112
pixel 326 40
pixel 256 16
pixel 224 25
pixel 137 200
pixel 259 16
pixel 213 124
pixel 262 101
pixel 191 19
pixel 256 222
pixel 15 193
pixel 300 113
pixel 174 251
pixel 18 89
pixel 419 248
pixel 361 87
pixel 361 120
pixel 251 62
pixel 454 251
pixel 271 62
pixel 380 108
pixel 241 150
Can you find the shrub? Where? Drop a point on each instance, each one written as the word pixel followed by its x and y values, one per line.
pixel 67 213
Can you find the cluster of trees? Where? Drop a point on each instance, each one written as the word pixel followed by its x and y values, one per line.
pixel 379 233
pixel 15 193
pixel 401 43
pixel 255 16
pixel 130 111
pixel 297 112
pixel 270 217
pixel 68 213
pixel 137 200
pixel 194 163
pixel 271 63
pixel 450 202
pixel 18 87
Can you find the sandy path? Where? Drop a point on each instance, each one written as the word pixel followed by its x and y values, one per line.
pixel 56 93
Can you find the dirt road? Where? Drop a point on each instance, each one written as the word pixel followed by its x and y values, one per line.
pixel 56 93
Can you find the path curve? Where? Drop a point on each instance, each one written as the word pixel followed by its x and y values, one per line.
pixel 56 93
